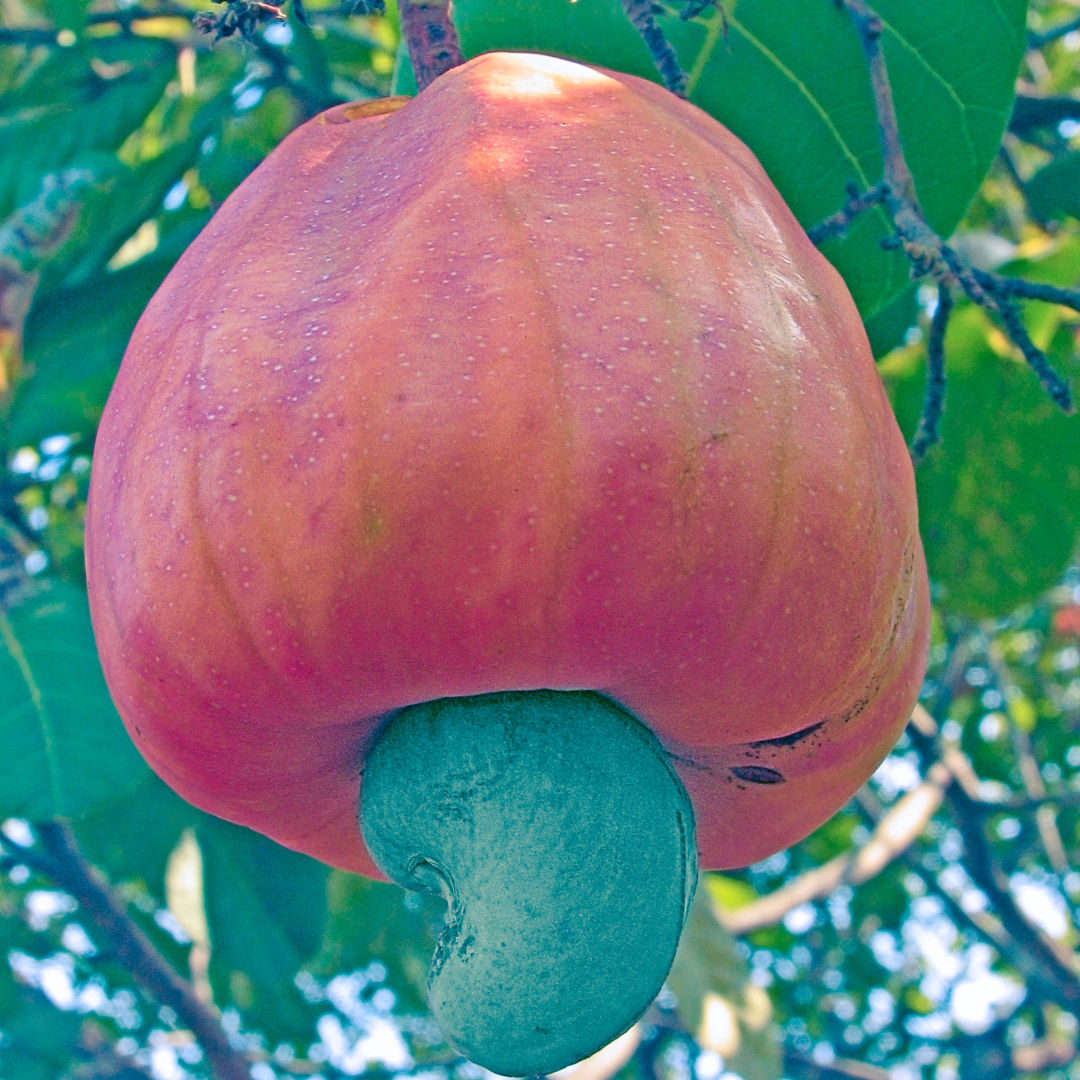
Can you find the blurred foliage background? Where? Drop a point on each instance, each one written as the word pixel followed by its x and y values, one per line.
pixel 929 930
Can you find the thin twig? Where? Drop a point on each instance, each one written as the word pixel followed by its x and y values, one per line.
pixel 1044 963
pixel 1039 959
pixel 431 38
pixel 857 203
pixel 928 433
pixel 241 17
pixel 929 255
pixel 898 178
pixel 1050 967
pixel 1052 382
pixel 1030 290
pixel 896 830
pixel 59 859
pixel 1031 775
pixel 640 14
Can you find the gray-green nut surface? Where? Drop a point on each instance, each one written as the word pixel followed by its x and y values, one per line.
pixel 563 843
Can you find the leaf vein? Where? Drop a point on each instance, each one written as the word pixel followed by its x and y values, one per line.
pixel 48 734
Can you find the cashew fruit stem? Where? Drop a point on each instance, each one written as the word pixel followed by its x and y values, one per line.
pixel 563 842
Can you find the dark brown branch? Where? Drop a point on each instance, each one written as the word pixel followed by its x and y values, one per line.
pixel 241 17
pixel 1031 775
pixel 928 433
pixel 928 254
pixel 984 925
pixel 1042 962
pixel 1052 382
pixel 837 224
pixel 431 38
pixel 1047 966
pixel 59 859
pixel 1030 290
pixel 641 15
pixel 898 178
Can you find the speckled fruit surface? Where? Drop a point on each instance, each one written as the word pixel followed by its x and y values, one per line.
pixel 534 382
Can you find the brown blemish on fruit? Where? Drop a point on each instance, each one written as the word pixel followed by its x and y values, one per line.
pixel 758 774
pixel 793 739
pixel 358 110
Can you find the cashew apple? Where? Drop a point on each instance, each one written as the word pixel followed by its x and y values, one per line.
pixel 526 404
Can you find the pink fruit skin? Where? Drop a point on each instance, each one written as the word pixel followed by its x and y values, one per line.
pixel 535 382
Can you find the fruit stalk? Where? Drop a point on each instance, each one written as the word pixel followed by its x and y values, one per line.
pixel 431 38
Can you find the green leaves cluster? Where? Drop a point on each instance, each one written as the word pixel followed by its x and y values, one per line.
pixel 999 497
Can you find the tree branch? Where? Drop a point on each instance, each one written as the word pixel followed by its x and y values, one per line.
pixel 1046 964
pixel 856 204
pixel 641 15
pixel 1031 776
pixel 894 833
pixel 1041 961
pixel 899 183
pixel 431 38
pixel 60 860
pixel 928 254
pixel 928 433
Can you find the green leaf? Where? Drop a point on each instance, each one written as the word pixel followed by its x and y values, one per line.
pixel 247 139
pixel 266 908
pixel 999 496
pixel 1054 191
pixel 887 327
pixel 75 339
pixel 85 99
pixel 65 749
pixel 716 1000
pixel 116 207
pixel 308 53
pixel 39 1040
pixel 131 838
pixel 791 81
pixel 70 14
pixel 375 920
